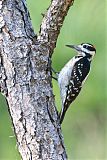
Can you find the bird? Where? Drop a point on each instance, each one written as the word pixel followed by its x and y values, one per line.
pixel 73 75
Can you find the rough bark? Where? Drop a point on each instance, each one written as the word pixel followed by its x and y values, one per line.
pixel 25 77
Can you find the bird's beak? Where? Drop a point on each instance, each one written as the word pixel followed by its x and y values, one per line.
pixel 77 48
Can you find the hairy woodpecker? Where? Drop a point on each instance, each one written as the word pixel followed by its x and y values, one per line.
pixel 73 75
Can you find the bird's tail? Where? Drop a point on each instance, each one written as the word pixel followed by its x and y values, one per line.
pixel 62 113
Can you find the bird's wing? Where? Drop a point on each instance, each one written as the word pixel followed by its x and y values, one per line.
pixel 79 73
pixel 64 78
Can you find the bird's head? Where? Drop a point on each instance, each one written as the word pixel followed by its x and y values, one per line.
pixel 84 49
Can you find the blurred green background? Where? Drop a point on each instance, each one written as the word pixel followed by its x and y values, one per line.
pixel 84 127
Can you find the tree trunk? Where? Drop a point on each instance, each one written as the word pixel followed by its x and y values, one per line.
pixel 25 77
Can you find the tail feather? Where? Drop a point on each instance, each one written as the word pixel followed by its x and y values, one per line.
pixel 62 113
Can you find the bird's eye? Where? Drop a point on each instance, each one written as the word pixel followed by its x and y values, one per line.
pixel 84 46
pixel 88 47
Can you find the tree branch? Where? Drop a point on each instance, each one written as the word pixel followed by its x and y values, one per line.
pixel 53 21
pixel 25 78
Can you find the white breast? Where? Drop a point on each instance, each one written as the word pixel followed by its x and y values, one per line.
pixel 65 76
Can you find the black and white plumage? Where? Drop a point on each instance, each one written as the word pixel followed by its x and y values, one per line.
pixel 73 75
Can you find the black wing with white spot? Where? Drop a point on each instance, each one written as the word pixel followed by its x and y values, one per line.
pixel 78 75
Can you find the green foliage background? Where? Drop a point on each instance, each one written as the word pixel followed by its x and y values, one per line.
pixel 84 127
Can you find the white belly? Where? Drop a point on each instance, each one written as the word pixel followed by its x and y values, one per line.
pixel 65 76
